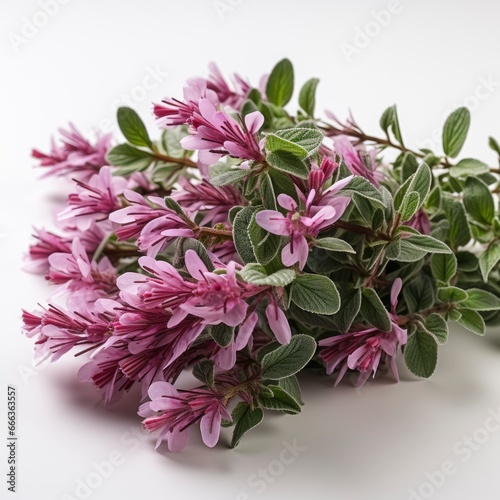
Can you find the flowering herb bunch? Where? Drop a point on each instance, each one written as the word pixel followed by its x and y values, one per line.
pixel 248 243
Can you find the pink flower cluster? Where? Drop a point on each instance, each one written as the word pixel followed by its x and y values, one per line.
pixel 145 307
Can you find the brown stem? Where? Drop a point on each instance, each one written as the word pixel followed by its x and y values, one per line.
pixel 170 159
pixel 439 308
pixel 225 233
pixel 358 134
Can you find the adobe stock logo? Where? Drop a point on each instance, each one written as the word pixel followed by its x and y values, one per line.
pixel 264 476
pixel 465 448
pixel 363 36
pixel 32 25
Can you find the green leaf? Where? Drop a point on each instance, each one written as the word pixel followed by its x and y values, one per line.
pixel 478 201
pixel 229 177
pixel 468 166
pixel 420 354
pixel 133 128
pixel 428 243
pixel 455 131
pixel 438 326
pixel 489 259
pixel 289 163
pixel 493 144
pixel 204 371
pixel 245 418
pixel 472 321
pixel 409 205
pixel 409 166
pixel 289 359
pixel 409 252
pixel 362 187
pixel 308 139
pixel 451 294
pixel 292 387
pixel 419 293
pixel 279 87
pixel 280 401
pixel 373 310
pixel 267 191
pixel 221 333
pixel 275 143
pixel 173 205
pixel 240 231
pixel 256 275
pixel 459 232
pixel 315 293
pixel 334 245
pixel 389 120
pixel 171 141
pixel 481 300
pixel 282 183
pixel 444 267
pixel 132 159
pixel 421 182
pixel 350 299
pixel 307 96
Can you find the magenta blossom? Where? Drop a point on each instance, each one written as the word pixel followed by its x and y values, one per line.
pixel 47 243
pixel 174 112
pixel 95 200
pixel 80 275
pixel 420 221
pixel 76 156
pixel 215 134
pixel 357 160
pixel 153 224
pixel 215 202
pixel 173 412
pixel 217 298
pixel 364 349
pixel 58 331
pixel 226 95
pixel 300 225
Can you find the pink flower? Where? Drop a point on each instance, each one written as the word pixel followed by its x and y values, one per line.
pixel 79 274
pixel 174 112
pixel 37 259
pixel 165 288
pixel 58 331
pixel 76 156
pixel 226 95
pixel 320 174
pixel 214 298
pixel 215 134
pixel 357 160
pixel 214 202
pixel 142 348
pixel 420 222
pixel 217 298
pixel 299 225
pixel 364 349
pixel 173 412
pixel 94 200
pixel 154 225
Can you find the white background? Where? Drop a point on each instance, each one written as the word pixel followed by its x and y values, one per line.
pixel 374 443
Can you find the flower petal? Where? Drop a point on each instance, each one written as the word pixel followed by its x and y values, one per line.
pixel 210 428
pixel 273 221
pixel 287 202
pixel 195 266
pixel 278 323
pixel 254 121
